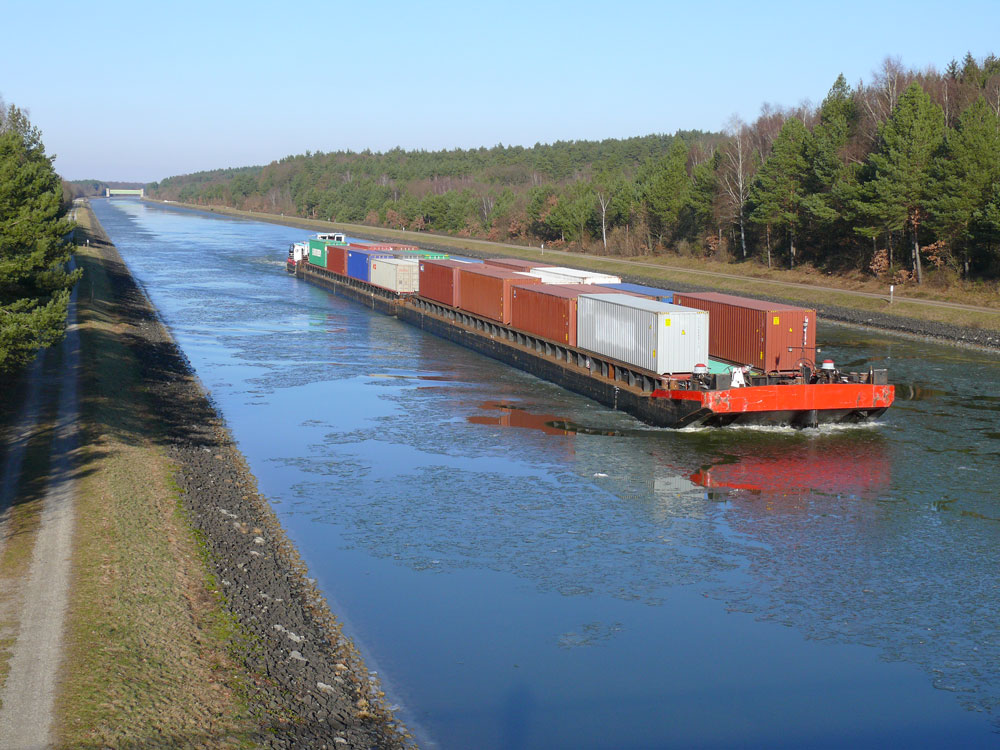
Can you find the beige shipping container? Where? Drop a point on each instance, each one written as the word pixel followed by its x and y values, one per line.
pixel 398 274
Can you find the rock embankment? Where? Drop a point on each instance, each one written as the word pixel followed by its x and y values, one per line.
pixel 304 677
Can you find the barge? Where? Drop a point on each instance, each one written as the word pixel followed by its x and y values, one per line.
pixel 715 394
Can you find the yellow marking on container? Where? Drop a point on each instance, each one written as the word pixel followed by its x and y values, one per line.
pixel 777 321
pixel 666 322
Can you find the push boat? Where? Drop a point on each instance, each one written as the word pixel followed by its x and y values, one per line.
pixel 725 389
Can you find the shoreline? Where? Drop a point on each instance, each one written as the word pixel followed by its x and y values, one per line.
pixel 308 682
pixel 939 332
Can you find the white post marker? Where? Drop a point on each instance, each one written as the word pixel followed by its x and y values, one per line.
pixel 891 288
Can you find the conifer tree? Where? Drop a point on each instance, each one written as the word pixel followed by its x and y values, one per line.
pixel 34 284
pixel 778 193
pixel 967 177
pixel 910 142
pixel 667 191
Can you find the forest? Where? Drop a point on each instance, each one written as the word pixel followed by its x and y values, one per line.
pixel 897 178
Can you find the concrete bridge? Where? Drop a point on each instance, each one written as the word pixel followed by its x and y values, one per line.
pixel 111 192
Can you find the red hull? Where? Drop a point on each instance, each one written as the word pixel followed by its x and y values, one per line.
pixel 798 405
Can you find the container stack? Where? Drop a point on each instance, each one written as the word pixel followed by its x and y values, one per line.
pixel 563 275
pixel 358 263
pixel 766 335
pixel 642 332
pixel 336 259
pixel 397 274
pixel 439 281
pixel 317 252
pixel 489 291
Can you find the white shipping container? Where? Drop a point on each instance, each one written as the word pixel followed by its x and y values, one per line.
pixel 397 274
pixel 642 332
pixel 551 278
pixel 579 276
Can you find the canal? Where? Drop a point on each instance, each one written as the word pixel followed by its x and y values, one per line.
pixel 525 568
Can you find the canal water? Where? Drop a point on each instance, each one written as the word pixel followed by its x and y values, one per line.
pixel 525 568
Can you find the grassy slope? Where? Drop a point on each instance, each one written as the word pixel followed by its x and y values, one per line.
pixel 753 278
pixel 147 662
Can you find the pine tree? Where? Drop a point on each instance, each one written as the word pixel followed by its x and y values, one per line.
pixel 830 181
pixel 34 285
pixel 778 193
pixel 967 177
pixel 667 191
pixel 910 142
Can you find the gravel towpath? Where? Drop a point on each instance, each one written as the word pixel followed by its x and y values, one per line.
pixel 28 694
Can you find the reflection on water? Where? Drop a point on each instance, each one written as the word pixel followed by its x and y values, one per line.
pixel 842 465
pixel 526 568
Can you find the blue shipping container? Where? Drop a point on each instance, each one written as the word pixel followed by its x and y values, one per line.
pixel 358 262
pixel 464 259
pixel 663 295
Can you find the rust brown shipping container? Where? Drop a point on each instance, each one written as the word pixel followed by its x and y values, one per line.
pixel 545 310
pixel 336 259
pixel 439 281
pixel 515 264
pixel 767 335
pixel 549 310
pixel 488 291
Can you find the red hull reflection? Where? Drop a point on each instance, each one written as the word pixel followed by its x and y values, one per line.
pixel 842 467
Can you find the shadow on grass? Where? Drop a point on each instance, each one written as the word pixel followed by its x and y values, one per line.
pixel 137 384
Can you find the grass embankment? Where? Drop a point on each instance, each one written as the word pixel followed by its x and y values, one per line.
pixel 147 644
pixel 852 292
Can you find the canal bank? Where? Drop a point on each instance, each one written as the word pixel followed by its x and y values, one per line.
pixel 304 684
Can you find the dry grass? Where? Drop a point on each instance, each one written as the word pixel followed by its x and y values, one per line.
pixel 147 662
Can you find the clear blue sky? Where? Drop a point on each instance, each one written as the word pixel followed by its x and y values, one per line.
pixel 139 90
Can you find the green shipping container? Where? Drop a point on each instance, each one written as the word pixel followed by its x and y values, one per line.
pixel 425 254
pixel 317 252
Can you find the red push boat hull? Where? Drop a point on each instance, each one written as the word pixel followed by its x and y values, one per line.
pixel 804 405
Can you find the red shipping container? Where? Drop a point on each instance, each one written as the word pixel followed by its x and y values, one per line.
pixel 439 281
pixel 336 259
pixel 360 245
pixel 767 335
pixel 488 291
pixel 549 310
pixel 515 264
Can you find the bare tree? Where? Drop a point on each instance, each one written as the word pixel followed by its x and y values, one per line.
pixel 766 128
pixel 737 170
pixel 604 201
pixel 992 93
pixel 487 202
pixel 879 100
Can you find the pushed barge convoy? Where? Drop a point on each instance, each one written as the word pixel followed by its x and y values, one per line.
pixel 754 377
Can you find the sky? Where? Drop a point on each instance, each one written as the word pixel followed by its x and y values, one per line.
pixel 139 90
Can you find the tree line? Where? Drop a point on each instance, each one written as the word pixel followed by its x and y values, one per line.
pixel 897 177
pixel 34 247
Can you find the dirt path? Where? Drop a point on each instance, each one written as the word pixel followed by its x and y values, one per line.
pixel 28 694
